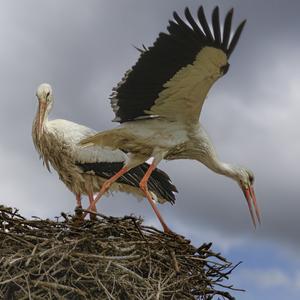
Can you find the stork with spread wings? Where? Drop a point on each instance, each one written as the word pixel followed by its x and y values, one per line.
pixel 159 101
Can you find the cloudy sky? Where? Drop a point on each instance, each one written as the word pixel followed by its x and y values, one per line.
pixel 82 48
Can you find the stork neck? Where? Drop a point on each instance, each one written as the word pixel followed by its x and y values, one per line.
pixel 217 166
pixel 225 169
pixel 204 152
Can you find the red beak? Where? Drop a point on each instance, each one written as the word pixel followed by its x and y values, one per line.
pixel 252 203
pixel 41 115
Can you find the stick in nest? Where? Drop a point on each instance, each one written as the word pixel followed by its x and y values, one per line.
pixel 109 258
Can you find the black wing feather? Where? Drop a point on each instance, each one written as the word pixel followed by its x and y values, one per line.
pixel 235 38
pixel 172 51
pixel 216 25
pixel 158 183
pixel 227 29
pixel 194 25
pixel 204 24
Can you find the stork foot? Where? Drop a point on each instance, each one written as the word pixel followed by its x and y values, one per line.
pixel 78 211
pixel 93 216
pixel 93 208
pixel 78 219
pixel 167 230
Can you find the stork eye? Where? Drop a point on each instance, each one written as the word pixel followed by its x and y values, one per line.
pixel 48 94
pixel 251 179
pixel 224 69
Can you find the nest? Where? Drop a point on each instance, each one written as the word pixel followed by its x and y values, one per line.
pixel 109 258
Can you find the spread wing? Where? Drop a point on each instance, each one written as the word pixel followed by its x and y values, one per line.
pixel 172 78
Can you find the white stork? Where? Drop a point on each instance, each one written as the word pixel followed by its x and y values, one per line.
pixel 159 101
pixel 84 170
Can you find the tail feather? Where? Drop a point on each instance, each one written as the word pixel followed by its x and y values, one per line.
pixel 158 183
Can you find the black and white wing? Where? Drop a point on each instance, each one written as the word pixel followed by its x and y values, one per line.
pixel 172 78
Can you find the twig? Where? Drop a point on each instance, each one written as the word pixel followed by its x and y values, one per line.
pixel 109 258
pixel 53 285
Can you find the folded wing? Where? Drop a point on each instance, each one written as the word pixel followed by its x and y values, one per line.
pixel 159 183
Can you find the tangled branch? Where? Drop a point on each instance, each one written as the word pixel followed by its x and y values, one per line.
pixel 110 258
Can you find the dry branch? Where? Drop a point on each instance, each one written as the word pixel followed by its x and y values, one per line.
pixel 109 258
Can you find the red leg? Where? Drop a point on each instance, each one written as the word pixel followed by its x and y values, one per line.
pixel 78 212
pixel 93 207
pixel 78 200
pixel 144 188
pixel 106 185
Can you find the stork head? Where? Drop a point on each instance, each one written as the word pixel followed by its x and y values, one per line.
pixel 245 179
pixel 45 98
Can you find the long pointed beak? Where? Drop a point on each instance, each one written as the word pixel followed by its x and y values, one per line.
pixel 41 116
pixel 252 204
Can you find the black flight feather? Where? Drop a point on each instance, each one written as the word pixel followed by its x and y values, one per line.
pixel 192 22
pixel 235 38
pixel 216 25
pixel 159 182
pixel 204 24
pixel 227 29
pixel 172 51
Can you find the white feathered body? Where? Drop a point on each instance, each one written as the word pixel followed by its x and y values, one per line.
pixel 58 147
pixel 145 138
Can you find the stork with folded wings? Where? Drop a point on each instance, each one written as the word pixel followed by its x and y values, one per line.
pixel 84 170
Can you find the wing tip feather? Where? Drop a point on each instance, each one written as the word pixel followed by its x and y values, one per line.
pixel 236 37
pixel 216 25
